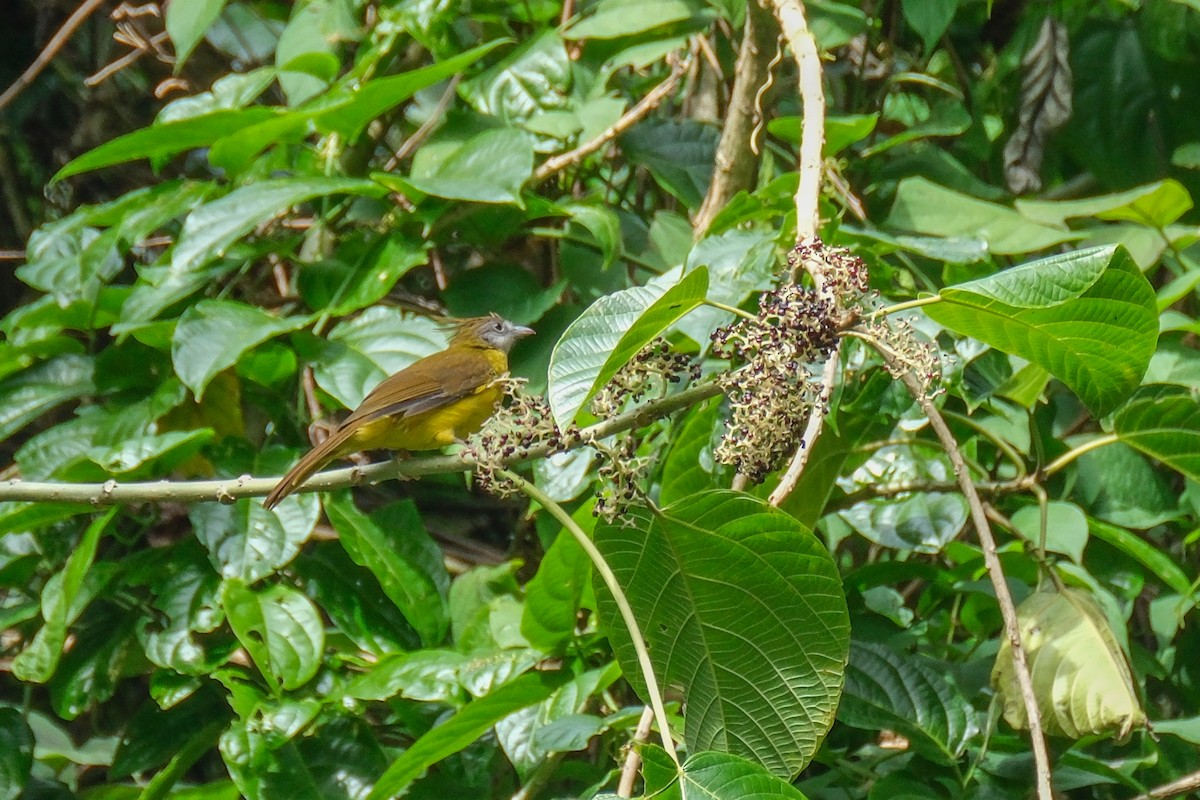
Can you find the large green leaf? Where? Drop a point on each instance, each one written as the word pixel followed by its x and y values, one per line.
pixel 922 206
pixel 1156 205
pixel 393 545
pixel 743 610
pixel 63 600
pixel 609 333
pixel 709 776
pixel 1163 421
pixel 27 395
pixel 16 752
pixel 210 229
pixel 187 22
pixel 1088 317
pixel 489 167
pixel 1146 554
pixel 909 694
pixel 929 18
pixel 213 334
pixel 1081 677
pixel 280 628
pixel 464 728
pixel 246 541
pixel 159 141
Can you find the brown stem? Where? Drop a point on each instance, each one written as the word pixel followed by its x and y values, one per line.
pixel 628 120
pixel 1008 609
pixel 633 759
pixel 735 163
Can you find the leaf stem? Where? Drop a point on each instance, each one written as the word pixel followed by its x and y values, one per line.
pixel 610 580
pixel 731 309
pixel 1075 452
pixel 896 308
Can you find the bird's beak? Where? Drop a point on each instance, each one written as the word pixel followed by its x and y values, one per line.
pixel 520 331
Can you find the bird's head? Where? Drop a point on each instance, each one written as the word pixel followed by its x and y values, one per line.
pixel 492 330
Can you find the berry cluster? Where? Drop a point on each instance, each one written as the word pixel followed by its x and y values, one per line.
pixel 655 367
pixel 621 474
pixel 796 328
pixel 910 354
pixel 525 423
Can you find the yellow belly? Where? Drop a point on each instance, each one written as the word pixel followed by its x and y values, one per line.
pixel 429 430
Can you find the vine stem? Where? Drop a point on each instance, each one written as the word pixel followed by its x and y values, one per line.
pixel 610 580
pixel 1008 609
pixel 1075 452
pixel 731 309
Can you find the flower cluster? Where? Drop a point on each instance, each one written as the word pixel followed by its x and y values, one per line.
pixel 796 327
pixel 621 475
pixel 655 367
pixel 910 355
pixel 525 423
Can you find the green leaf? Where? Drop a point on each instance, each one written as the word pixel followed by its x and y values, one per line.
pixel 464 728
pixel 742 608
pixel 929 18
pixel 393 545
pixel 63 600
pixel 167 139
pixel 717 776
pixel 280 628
pixel 213 334
pixel 611 19
pixel 922 206
pixel 1066 528
pixel 1156 205
pixel 1119 485
pixel 363 351
pixel 489 167
pixel 249 542
pixel 16 752
pixel 509 290
pixel 29 394
pixel 923 522
pixel 688 467
pixel 679 154
pixel 1088 317
pixel 1146 554
pixel 306 53
pixel 1081 677
pixel 552 595
pixel 610 333
pixel 1163 421
pixel 886 689
pixel 186 606
pixel 605 227
pixel 213 227
pixel 187 22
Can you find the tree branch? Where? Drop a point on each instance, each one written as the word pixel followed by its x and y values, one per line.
pixel 735 162
pixel 628 120
pixel 229 490
pixel 792 20
pixel 1008 609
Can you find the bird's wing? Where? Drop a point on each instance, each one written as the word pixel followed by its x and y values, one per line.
pixel 432 382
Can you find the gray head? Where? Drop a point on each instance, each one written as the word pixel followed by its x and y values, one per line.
pixel 493 330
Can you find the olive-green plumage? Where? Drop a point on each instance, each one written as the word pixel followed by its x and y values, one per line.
pixel 439 400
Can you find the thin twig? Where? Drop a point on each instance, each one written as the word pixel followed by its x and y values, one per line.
pixel 51 49
pixel 619 597
pixel 812 430
pixel 792 20
pixel 229 490
pixel 633 759
pixel 427 127
pixel 1008 610
pixel 628 120
pixel 1188 783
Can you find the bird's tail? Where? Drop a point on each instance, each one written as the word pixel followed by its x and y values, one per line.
pixel 312 461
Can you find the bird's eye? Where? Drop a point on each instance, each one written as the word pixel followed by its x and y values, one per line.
pixel 497 326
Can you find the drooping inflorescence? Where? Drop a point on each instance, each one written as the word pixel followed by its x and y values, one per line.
pixel 524 423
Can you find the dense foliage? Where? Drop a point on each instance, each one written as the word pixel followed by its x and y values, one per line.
pixel 1005 301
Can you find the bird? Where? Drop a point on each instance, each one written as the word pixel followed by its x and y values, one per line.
pixel 436 401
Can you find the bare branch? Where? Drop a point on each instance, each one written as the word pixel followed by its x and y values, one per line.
pixel 60 38
pixel 1008 609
